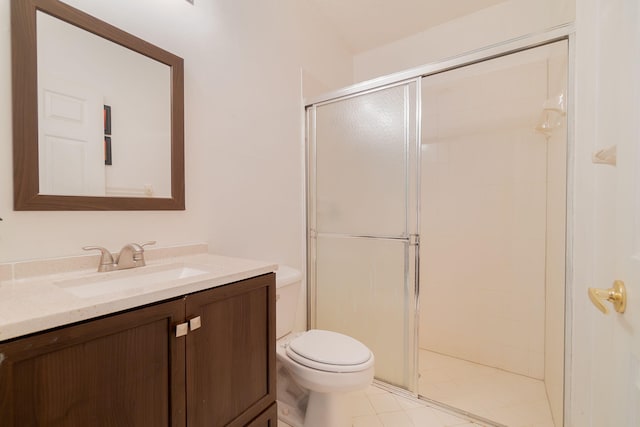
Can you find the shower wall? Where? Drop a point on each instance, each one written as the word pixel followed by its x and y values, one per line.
pixel 485 216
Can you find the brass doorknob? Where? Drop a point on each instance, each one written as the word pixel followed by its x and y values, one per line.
pixel 617 295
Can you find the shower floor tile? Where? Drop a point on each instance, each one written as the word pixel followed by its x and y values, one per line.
pixel 509 399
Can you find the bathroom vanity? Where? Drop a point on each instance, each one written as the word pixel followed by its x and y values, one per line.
pixel 193 351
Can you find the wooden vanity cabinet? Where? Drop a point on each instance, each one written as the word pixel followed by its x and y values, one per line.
pixel 268 418
pixel 130 369
pixel 121 370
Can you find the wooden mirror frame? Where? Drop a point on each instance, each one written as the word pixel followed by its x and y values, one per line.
pixel 25 111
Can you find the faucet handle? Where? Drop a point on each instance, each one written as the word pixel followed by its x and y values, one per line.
pixel 138 255
pixel 106 258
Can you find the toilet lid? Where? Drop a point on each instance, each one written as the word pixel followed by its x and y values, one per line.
pixel 328 348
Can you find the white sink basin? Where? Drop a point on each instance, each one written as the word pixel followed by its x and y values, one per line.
pixel 131 281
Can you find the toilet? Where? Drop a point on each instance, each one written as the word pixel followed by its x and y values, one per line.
pixel 317 369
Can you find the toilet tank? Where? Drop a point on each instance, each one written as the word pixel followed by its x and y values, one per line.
pixel 288 283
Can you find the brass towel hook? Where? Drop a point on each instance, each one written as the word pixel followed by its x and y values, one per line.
pixel 617 295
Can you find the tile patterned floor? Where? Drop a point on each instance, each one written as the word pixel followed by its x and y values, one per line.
pixel 376 407
pixel 379 408
pixel 510 399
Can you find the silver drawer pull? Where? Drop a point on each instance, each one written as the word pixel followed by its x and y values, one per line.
pixel 182 329
pixel 195 323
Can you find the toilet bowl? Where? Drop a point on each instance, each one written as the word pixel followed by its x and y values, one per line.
pixel 329 365
pixel 319 368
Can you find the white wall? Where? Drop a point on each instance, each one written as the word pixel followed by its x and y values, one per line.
pixel 244 170
pixel 495 24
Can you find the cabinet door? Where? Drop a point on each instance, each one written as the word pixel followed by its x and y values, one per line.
pixel 268 418
pixel 231 358
pixel 121 370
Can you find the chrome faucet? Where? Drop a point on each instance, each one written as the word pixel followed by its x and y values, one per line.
pixel 131 255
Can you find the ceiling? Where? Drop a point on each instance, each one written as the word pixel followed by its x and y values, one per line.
pixel 366 24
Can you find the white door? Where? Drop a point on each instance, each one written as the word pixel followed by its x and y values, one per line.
pixel 606 348
pixel 621 350
pixel 71 138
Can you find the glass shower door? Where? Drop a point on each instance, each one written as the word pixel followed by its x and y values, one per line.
pixel 362 219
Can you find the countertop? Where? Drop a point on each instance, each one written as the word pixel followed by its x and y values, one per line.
pixel 41 303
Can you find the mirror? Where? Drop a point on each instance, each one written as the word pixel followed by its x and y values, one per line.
pixel 97 114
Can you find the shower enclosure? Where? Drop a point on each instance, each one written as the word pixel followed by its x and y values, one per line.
pixel 437 223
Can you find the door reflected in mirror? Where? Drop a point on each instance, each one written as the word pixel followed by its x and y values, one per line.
pixel 79 73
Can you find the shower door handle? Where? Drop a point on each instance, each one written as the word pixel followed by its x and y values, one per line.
pixel 411 239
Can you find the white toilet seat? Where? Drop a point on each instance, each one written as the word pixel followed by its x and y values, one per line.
pixel 329 351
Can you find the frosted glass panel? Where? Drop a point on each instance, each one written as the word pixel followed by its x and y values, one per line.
pixel 361 163
pixel 362 210
pixel 363 292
